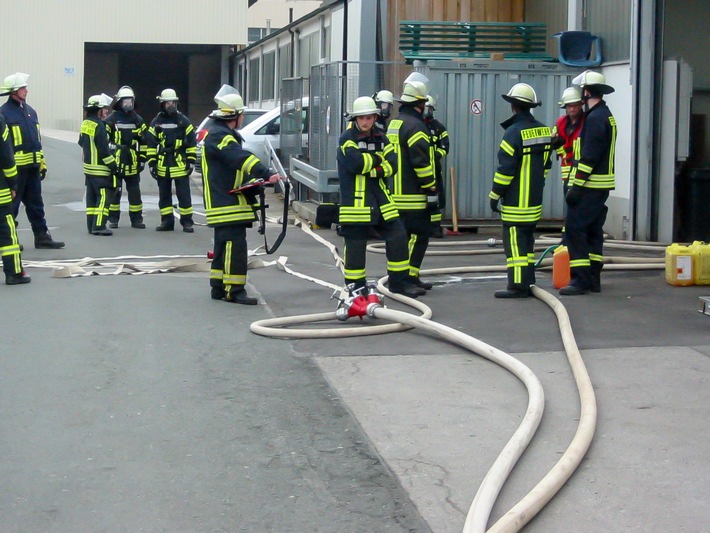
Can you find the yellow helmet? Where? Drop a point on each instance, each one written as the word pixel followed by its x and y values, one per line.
pixel 413 91
pixel 571 95
pixel 13 82
pixel 230 103
pixel 168 95
pixel 522 94
pixel 98 101
pixel 364 106
pixel 591 79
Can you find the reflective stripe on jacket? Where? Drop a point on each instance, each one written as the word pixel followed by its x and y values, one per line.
pixel 523 163
pixel 594 149
pixel 364 162
pixel 410 138
pixel 8 170
pixel 227 166
pixel 127 132
pixel 23 123
pixel 172 145
pixel 565 152
pixel 97 156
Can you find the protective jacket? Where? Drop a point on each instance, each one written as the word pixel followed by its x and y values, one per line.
pixel 410 138
pixel 567 134
pixel 93 139
pixel 594 149
pixel 440 140
pixel 225 167
pixel 523 164
pixel 23 123
pixel 364 161
pixel 8 170
pixel 127 132
pixel 172 145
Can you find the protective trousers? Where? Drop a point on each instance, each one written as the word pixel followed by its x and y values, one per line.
pixel 418 227
pixel 229 265
pixel 584 236
pixel 392 231
pixel 29 192
pixel 97 199
pixel 165 199
pixel 9 244
pixel 135 203
pixel 519 246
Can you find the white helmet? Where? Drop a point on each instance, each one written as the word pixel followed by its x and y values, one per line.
pixel 168 95
pixel 571 95
pixel 413 91
pixel 230 103
pixel 591 79
pixel 431 101
pixel 13 82
pixel 522 94
pixel 384 96
pixel 364 106
pixel 98 101
pixel 125 92
pixel 417 76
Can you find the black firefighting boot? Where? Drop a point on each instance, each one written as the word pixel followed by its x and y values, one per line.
pixel 417 282
pixel 17 279
pixel 167 223
pixel 90 223
pixel 187 224
pixel 401 283
pixel 217 291
pixel 238 295
pixel 44 240
pixel 113 219
pixel 137 220
pixel 596 277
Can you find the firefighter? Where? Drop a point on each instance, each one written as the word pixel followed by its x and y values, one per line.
pixel 414 184
pixel 384 100
pixel 593 178
pixel 171 154
pixel 23 123
pixel 9 244
pixel 440 139
pixel 566 131
pixel 523 163
pixel 225 167
pixel 365 159
pixel 127 130
pixel 99 164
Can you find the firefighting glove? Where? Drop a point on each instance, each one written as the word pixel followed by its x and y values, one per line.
pixel 153 172
pixel 188 168
pixel 494 205
pixel 42 170
pixel 573 196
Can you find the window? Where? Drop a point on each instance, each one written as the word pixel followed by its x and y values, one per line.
pixel 253 74
pixel 269 74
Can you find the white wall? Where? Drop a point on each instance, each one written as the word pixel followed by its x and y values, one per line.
pixel 277 11
pixel 46 40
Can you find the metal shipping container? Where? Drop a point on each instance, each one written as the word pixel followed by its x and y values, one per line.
pixel 469 103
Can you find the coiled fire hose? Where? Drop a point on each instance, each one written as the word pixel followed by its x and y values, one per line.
pixel 528 506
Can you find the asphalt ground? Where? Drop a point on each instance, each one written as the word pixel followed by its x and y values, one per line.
pixel 136 403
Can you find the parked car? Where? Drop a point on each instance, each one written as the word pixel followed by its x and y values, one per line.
pixel 268 127
pixel 250 115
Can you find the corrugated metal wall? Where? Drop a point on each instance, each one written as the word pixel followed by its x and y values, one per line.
pixel 551 12
pixel 471 107
pixel 610 19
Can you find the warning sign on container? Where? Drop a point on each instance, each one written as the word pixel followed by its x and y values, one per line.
pixel 476 107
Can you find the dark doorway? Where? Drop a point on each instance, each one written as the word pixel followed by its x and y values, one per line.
pixel 148 73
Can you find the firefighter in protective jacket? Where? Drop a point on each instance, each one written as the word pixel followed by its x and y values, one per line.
pixel 9 244
pixel 566 131
pixel 414 185
pixel 523 163
pixel 365 160
pixel 99 164
pixel 593 177
pixel 23 124
pixel 226 167
pixel 172 152
pixel 440 139
pixel 126 130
